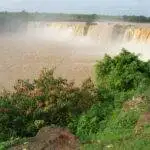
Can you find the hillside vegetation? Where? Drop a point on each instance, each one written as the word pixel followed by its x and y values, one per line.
pixel 111 113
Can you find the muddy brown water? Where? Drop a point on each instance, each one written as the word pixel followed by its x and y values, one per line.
pixel 23 57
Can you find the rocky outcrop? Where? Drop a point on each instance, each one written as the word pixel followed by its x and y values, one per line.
pixel 50 139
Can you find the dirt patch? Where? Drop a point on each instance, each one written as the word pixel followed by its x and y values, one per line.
pixel 135 103
pixel 144 119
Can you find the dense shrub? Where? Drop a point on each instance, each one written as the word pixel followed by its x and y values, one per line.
pixel 123 76
pixel 118 79
pixel 46 101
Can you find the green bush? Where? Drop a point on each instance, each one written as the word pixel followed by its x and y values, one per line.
pixel 45 101
pixel 123 76
pixel 118 79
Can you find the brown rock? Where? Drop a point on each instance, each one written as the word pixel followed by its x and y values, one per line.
pixel 51 139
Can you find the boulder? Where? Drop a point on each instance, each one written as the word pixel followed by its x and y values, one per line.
pixel 50 139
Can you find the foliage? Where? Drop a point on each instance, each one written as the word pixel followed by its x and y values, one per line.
pixel 5 145
pixel 46 101
pixel 119 79
pixel 123 75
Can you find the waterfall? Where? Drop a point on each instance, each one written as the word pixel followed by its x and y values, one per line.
pixel 103 32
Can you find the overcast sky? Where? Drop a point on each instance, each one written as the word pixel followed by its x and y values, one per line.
pixel 109 7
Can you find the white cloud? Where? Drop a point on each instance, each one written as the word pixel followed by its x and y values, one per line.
pixel 93 6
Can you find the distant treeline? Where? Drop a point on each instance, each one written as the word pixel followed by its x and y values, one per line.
pixel 14 21
pixel 136 19
pixel 25 16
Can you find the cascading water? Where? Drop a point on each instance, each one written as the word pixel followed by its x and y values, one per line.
pixel 99 31
pixel 109 36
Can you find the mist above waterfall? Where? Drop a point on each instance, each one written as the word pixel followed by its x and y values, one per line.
pixel 103 37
